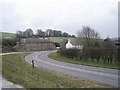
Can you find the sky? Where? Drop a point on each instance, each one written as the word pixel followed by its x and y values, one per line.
pixel 65 15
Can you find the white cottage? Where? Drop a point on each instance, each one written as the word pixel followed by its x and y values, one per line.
pixel 69 45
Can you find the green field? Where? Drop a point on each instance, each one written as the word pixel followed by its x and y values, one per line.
pixel 17 70
pixel 57 56
pixel 60 39
pixel 6 35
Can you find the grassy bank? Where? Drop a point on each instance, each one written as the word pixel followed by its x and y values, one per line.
pixel 4 35
pixel 61 58
pixel 17 70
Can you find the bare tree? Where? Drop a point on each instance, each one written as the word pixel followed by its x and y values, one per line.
pixel 88 34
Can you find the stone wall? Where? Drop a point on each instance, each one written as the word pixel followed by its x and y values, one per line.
pixel 36 46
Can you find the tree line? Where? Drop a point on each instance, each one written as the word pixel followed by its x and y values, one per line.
pixel 48 33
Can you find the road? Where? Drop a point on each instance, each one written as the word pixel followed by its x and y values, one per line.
pixel 5 83
pixel 95 74
pixel 9 53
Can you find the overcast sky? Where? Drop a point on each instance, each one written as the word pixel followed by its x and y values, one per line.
pixel 65 15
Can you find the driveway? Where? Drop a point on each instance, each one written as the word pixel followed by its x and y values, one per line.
pixel 95 74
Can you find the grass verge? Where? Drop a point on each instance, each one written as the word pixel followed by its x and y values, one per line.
pixel 57 56
pixel 17 70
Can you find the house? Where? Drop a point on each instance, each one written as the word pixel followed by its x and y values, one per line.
pixel 34 44
pixel 70 45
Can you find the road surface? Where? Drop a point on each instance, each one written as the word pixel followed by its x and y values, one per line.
pixel 96 74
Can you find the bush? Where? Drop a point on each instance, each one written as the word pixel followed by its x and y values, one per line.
pixel 106 55
pixel 70 53
pixel 8 44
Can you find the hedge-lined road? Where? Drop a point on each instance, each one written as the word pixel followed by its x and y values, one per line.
pixel 96 74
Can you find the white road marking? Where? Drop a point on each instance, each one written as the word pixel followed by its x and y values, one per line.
pixel 9 53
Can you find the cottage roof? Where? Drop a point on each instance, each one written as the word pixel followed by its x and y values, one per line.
pixel 35 40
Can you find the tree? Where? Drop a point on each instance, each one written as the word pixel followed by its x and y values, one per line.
pixel 107 39
pixel 65 34
pixel 28 33
pixel 63 44
pixel 40 33
pixel 49 32
pixel 56 33
pixel 19 34
pixel 88 34
pixel 59 33
pixel 73 36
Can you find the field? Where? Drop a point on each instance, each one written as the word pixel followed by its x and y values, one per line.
pixel 57 56
pixel 17 70
pixel 6 35
pixel 60 39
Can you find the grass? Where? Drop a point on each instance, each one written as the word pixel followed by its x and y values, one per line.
pixel 60 39
pixel 6 35
pixel 57 56
pixel 17 70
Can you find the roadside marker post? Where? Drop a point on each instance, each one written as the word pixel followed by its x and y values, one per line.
pixel 32 63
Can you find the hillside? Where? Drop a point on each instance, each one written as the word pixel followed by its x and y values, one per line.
pixel 114 38
pixel 60 39
pixel 54 39
pixel 6 35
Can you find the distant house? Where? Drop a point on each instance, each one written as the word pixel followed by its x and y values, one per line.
pixel 34 44
pixel 70 45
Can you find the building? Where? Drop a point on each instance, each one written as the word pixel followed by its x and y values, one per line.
pixel 70 45
pixel 34 44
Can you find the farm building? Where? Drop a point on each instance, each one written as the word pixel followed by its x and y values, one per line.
pixel 34 44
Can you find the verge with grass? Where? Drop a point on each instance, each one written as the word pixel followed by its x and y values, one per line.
pixel 57 56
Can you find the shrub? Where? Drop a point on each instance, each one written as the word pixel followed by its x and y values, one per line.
pixel 70 53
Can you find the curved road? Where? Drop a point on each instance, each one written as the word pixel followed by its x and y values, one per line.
pixel 96 74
